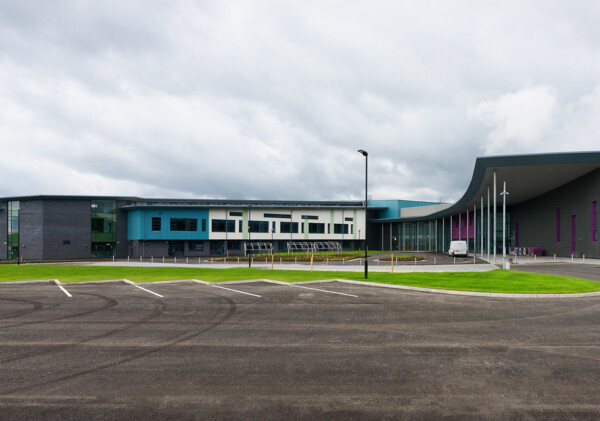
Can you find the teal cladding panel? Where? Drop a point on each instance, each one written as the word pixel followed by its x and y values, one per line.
pixel 394 206
pixel 139 224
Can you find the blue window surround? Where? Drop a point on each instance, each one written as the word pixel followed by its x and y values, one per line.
pixel 139 224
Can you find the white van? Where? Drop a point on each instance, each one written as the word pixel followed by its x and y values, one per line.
pixel 458 248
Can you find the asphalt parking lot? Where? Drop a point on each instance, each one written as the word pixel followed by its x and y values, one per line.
pixel 201 352
pixel 587 271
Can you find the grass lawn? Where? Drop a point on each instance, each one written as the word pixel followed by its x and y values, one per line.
pixel 494 281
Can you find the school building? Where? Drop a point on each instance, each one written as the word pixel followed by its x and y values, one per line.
pixel 535 203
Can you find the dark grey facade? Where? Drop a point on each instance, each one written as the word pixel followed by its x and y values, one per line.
pixel 54 229
pixel 562 222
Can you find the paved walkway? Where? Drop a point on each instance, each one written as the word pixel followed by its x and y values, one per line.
pixel 529 260
pixel 483 267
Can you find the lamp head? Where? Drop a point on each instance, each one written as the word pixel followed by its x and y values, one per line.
pixel 365 153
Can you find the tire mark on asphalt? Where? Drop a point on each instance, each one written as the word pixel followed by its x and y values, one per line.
pixel 231 308
pixel 155 313
pixel 36 306
pixel 108 304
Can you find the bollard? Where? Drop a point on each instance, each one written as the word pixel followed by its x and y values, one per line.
pixel 327 264
pixel 151 259
pixel 295 260
pixel 534 257
pixel 141 259
pixel 415 260
pixel 163 259
pixel 265 260
pixel 434 260
pixel 280 261
pixel 238 260
pixel 175 259
pixel 584 258
pixel 571 258
pixel 113 257
pixel 128 258
pixel 272 260
pixel 555 257
pixel 392 262
pixel 311 262
pixel 199 261
pixel 454 259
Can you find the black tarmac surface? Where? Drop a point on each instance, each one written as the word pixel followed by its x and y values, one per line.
pixel 114 351
pixel 582 271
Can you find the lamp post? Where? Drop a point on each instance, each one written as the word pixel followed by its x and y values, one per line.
pixel 504 194
pixel 366 155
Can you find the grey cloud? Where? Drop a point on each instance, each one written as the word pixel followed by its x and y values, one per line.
pixel 271 100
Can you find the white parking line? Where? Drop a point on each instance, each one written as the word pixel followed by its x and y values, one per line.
pixel 235 290
pixel 57 282
pixel 324 290
pixel 127 281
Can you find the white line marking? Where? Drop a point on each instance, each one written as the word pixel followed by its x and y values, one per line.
pixel 57 282
pixel 200 282
pixel 235 290
pixel 127 281
pixel 324 290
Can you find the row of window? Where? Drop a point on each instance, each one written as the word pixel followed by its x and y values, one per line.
pixel 223 225
pixel 285 216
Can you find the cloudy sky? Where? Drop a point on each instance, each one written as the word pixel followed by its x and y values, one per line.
pixel 272 99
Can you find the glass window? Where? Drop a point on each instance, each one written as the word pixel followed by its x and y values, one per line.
pixel 316 228
pixel 258 226
pixel 156 222
pixel 97 225
pixel 309 217
pixel 196 245
pixel 348 219
pixel 222 225
pixel 340 229
pixel 288 227
pixel 277 215
pixel 235 213
pixel 184 224
pixel 13 230
pixel 104 227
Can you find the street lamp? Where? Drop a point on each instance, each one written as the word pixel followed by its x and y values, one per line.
pixel 366 155
pixel 504 194
pixel 272 241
